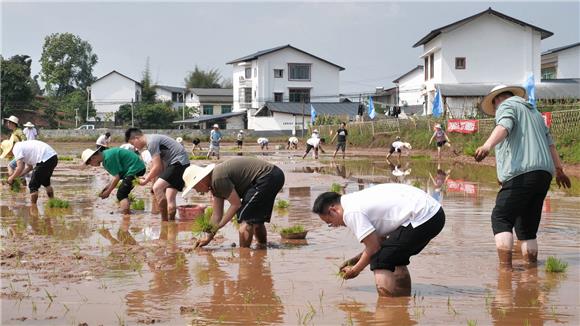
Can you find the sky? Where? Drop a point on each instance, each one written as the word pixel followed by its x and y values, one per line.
pixel 372 40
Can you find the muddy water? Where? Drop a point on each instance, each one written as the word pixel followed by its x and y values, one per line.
pixel 91 264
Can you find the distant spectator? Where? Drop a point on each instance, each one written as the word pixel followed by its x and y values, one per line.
pixel 240 139
pixel 215 138
pixel 30 131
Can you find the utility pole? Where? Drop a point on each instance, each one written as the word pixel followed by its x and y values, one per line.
pixel 132 116
pixel 88 102
pixel 183 110
pixel 302 100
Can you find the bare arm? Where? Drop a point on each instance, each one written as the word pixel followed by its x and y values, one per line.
pixel 561 178
pixel 431 140
pixel 107 191
pixel 235 204
pixel 156 168
pixel 498 134
pixel 372 245
pixel 17 172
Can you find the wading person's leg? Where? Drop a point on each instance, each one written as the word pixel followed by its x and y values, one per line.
pixel 246 232
pixel 393 284
pixel 170 195
pixel 123 194
pixel 159 188
pixel 504 242
pixel 261 235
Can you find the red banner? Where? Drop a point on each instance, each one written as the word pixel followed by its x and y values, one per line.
pixel 468 188
pixel 547 118
pixel 462 126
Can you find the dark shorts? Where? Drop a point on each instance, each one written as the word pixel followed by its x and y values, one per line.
pixel 341 146
pixel 392 150
pixel 196 141
pixel 405 242
pixel 127 185
pixel 308 148
pixel 518 205
pixel 239 142
pixel 173 174
pixel 258 201
pixel 441 143
pixel 42 173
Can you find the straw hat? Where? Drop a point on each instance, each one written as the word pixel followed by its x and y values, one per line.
pixel 179 140
pixel 87 154
pixel 12 119
pixel 28 124
pixel 6 147
pixel 193 175
pixel 438 126
pixel 487 102
pixel 216 125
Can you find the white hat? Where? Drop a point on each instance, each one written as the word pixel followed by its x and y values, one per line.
pixel 193 175
pixel 216 125
pixel 315 131
pixel 28 124
pixel 438 126
pixel 87 154
pixel 179 140
pixel 487 102
pixel 242 131
pixel 12 119
pixel 6 147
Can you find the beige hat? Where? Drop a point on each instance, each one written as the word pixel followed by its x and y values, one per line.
pixel 87 154
pixel 28 124
pixel 487 102
pixel 12 119
pixel 437 126
pixel 6 147
pixel 179 140
pixel 193 175
pixel 216 125
pixel 315 131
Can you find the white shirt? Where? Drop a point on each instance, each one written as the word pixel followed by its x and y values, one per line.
pixel 103 140
pixel 30 133
pixel 128 146
pixel 313 141
pixel 32 152
pixel 262 140
pixel 385 207
pixel 398 144
pixel 293 140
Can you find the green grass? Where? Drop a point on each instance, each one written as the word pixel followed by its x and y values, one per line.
pixel 138 205
pixel 292 230
pixel 203 223
pixel 282 203
pixel 197 157
pixel 335 187
pixel 554 265
pixel 57 203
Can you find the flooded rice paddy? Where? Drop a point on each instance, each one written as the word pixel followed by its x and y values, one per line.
pixel 90 264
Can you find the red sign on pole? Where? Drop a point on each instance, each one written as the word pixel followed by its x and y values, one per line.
pixel 547 118
pixel 462 126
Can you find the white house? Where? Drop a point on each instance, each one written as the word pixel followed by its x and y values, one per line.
pixel 210 101
pixel 410 94
pixel 562 62
pixel 282 74
pixel 111 91
pixel 170 94
pixel 486 48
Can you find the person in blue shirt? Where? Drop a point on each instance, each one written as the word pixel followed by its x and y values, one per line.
pixel 215 138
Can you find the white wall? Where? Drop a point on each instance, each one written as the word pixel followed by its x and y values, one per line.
pixel 569 63
pixel 410 88
pixel 279 121
pixel 110 92
pixel 162 95
pixel 496 51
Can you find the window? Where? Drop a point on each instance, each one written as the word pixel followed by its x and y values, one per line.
pixel 247 95
pixel 426 68
pixel 299 71
pixel 432 65
pixel 549 73
pixel 278 73
pixel 248 73
pixel 278 97
pixel 299 95
pixel 460 63
pixel 226 109
pixel 208 110
pixel 177 97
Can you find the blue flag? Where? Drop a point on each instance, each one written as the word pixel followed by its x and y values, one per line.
pixel 437 104
pixel 530 87
pixel 372 112
pixel 312 115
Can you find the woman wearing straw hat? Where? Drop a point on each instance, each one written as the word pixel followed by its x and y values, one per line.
pixel 30 131
pixel 526 159
pixel 12 124
pixel 35 156
pixel 250 186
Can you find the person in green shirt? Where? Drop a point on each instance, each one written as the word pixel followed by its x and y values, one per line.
pixel 526 159
pixel 121 164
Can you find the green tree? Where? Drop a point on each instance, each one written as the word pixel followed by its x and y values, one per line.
pixel 67 64
pixel 199 78
pixel 155 116
pixel 123 115
pixel 17 85
pixel 147 89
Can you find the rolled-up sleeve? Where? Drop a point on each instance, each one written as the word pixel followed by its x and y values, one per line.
pixel 505 117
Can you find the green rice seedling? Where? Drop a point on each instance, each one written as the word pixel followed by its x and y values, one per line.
pixel 16 184
pixel 57 203
pixel 203 224
pixel 293 229
pixel 554 265
pixel 471 322
pixel 66 158
pixel 197 157
pixel 335 187
pixel 50 297
pixel 138 205
pixel 282 203
pixel 417 184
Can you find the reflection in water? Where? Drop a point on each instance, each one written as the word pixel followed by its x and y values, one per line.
pixel 249 299
pixel 399 171
pixel 524 304
pixel 439 182
pixel 388 311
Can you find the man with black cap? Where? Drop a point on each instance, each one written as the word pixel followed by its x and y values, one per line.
pixel 526 159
